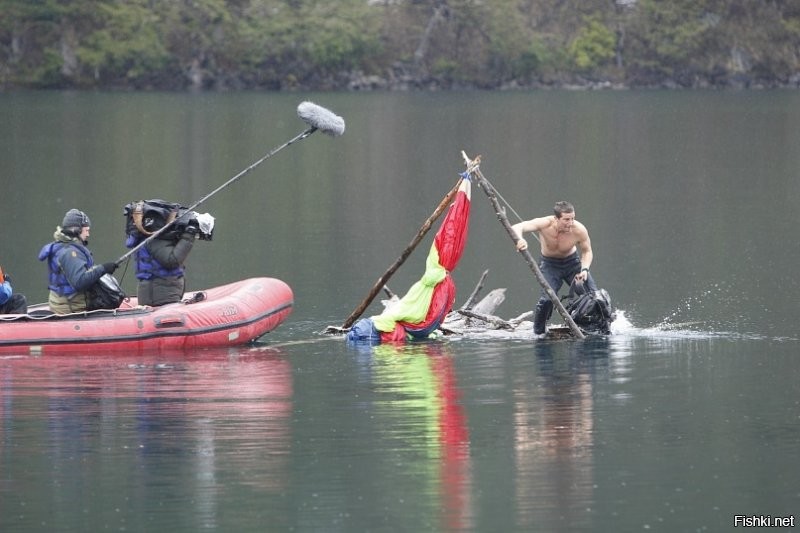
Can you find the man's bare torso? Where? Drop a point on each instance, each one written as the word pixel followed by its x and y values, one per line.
pixel 559 242
pixel 558 237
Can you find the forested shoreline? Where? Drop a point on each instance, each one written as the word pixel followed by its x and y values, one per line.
pixel 397 44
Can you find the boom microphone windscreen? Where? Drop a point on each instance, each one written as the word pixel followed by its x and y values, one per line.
pixel 320 118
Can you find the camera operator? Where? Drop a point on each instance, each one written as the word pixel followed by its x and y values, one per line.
pixel 160 268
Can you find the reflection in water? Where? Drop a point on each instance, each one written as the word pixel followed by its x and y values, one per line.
pixel 423 404
pixel 152 419
pixel 554 435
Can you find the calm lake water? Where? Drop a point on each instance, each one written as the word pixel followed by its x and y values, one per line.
pixel 687 416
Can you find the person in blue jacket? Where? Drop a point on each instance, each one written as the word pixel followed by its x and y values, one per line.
pixel 70 264
pixel 11 303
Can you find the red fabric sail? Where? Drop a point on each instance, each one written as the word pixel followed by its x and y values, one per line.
pixel 450 241
pixel 452 235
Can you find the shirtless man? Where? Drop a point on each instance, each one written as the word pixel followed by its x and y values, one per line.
pixel 561 237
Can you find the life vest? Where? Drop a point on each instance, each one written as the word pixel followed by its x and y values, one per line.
pixel 147 267
pixel 57 281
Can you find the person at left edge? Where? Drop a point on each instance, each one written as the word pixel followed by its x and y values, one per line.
pixel 70 264
pixel 11 303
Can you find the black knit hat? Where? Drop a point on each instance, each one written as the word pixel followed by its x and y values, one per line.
pixel 75 219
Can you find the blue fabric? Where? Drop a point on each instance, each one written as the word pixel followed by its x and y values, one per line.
pixel 425 332
pixel 5 292
pixel 364 331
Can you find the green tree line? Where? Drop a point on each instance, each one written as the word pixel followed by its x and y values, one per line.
pixel 397 44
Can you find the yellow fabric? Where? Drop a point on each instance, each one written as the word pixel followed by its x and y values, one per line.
pixel 413 307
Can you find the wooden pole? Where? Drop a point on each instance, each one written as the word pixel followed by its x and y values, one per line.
pixel 473 167
pixel 426 226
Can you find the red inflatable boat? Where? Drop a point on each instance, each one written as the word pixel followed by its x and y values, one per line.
pixel 228 315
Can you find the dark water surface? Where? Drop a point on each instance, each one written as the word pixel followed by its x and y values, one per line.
pixel 688 415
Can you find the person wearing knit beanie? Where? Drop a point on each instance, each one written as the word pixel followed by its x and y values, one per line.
pixel 72 270
pixel 75 219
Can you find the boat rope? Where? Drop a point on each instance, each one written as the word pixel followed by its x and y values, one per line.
pixel 509 206
pixel 474 166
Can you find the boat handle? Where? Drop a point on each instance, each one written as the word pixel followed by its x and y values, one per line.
pixel 169 322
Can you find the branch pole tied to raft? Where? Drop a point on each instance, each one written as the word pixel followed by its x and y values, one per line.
pixel 474 169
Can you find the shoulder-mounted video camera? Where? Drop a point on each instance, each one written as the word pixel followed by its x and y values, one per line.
pixel 145 217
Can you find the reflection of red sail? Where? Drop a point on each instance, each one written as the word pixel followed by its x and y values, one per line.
pixel 454 437
pixel 427 302
pixel 427 373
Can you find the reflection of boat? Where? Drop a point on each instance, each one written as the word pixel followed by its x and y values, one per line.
pixel 227 315
pixel 225 407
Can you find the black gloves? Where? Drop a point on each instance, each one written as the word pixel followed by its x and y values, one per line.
pixel 7 277
pixel 109 267
pixel 192 229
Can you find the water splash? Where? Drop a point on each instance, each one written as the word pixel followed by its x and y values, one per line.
pixel 623 326
pixel 689 330
pixel 711 310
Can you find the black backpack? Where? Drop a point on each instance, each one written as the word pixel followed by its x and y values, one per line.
pixel 591 310
pixel 106 293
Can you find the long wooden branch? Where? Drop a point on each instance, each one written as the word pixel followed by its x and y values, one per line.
pixel 473 167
